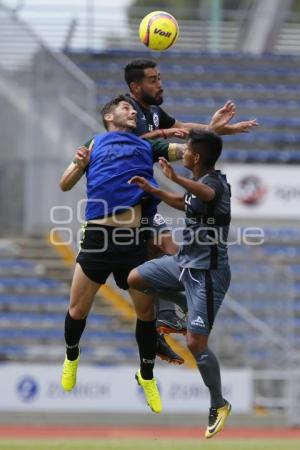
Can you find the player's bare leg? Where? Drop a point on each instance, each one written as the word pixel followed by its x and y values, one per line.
pixel 83 291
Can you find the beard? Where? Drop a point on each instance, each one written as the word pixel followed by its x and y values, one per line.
pixel 131 126
pixel 124 124
pixel 146 98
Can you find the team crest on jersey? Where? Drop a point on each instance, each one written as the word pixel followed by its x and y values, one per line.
pixel 156 120
pixel 158 219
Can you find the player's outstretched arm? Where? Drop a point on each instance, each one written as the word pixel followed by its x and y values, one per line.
pixel 171 198
pixel 240 127
pixel 167 133
pixel 75 170
pixel 218 121
pixel 201 190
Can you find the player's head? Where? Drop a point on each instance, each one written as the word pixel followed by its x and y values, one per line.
pixel 119 114
pixel 203 148
pixel 144 81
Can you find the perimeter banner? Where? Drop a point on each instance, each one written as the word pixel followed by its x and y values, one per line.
pixel 264 191
pixel 114 389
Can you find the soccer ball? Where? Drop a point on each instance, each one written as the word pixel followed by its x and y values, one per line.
pixel 159 30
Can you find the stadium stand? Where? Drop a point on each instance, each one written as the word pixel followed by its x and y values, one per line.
pixel 34 295
pixel 265 282
pixel 265 88
pixel 33 300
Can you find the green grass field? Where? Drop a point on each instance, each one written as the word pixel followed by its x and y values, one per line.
pixel 157 444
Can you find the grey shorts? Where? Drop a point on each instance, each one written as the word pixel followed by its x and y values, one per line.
pixel 205 289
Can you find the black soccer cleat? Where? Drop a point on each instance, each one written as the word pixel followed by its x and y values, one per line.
pixel 165 352
pixel 168 322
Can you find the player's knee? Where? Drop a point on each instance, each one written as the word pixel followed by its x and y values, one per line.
pixel 154 250
pixel 78 312
pixel 196 343
pixel 134 280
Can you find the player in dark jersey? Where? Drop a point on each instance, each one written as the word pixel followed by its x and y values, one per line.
pixel 112 242
pixel 201 266
pixel 146 95
pixel 146 92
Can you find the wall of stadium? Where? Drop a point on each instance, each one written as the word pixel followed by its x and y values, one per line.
pixel 114 389
pixel 264 191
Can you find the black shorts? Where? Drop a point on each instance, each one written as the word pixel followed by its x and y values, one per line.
pixel 105 250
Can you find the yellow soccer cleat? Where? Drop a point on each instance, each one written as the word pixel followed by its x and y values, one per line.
pixel 68 378
pixel 217 418
pixel 151 392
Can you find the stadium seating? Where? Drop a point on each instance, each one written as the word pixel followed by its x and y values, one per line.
pixel 265 283
pixel 265 88
pixel 33 303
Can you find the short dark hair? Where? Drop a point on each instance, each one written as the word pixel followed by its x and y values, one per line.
pixel 109 107
pixel 134 71
pixel 207 144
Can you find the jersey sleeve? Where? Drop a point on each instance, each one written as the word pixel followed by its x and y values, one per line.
pixel 216 185
pixel 165 121
pixel 159 148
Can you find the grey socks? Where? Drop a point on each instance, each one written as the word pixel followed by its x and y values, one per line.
pixel 210 371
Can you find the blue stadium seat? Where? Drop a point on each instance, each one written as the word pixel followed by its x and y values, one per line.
pixel 35 300
pixel 192 67
pixel 280 250
pixel 58 334
pixel 28 282
pixel 283 234
pixel 55 318
pixel 17 263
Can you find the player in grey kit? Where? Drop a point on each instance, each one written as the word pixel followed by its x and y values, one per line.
pixel 201 265
pixel 146 95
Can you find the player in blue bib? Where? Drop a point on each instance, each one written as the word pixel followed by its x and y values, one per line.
pixel 113 240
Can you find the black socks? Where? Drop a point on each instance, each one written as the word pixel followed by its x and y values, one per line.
pixel 146 337
pixel 73 331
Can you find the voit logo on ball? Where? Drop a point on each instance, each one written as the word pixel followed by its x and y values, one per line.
pixel 251 190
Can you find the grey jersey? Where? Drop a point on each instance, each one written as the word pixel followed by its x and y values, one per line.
pixel 207 226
